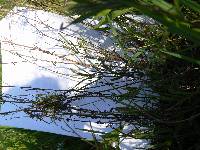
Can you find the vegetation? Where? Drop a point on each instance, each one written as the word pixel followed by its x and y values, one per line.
pixel 158 48
pixel 22 139
pixel 161 55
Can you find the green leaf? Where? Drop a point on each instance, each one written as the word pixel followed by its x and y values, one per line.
pixel 103 13
pixel 163 5
pixel 112 136
pixel 103 21
pixel 137 54
pixel 117 13
pixel 192 4
pixel 189 59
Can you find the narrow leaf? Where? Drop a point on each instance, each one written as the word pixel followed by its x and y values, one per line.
pixel 189 59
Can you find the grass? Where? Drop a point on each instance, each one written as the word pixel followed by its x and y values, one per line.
pixel 23 139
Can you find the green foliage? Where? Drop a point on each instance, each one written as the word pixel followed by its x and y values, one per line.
pixel 168 52
pixel 7 5
pixel 21 139
pixel 172 16
pixel 166 13
pixel 165 57
pixel 113 137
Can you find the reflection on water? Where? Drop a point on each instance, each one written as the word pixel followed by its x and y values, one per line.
pixel 35 65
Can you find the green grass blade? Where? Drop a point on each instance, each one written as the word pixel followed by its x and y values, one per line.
pixel 189 59
pixel 192 4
